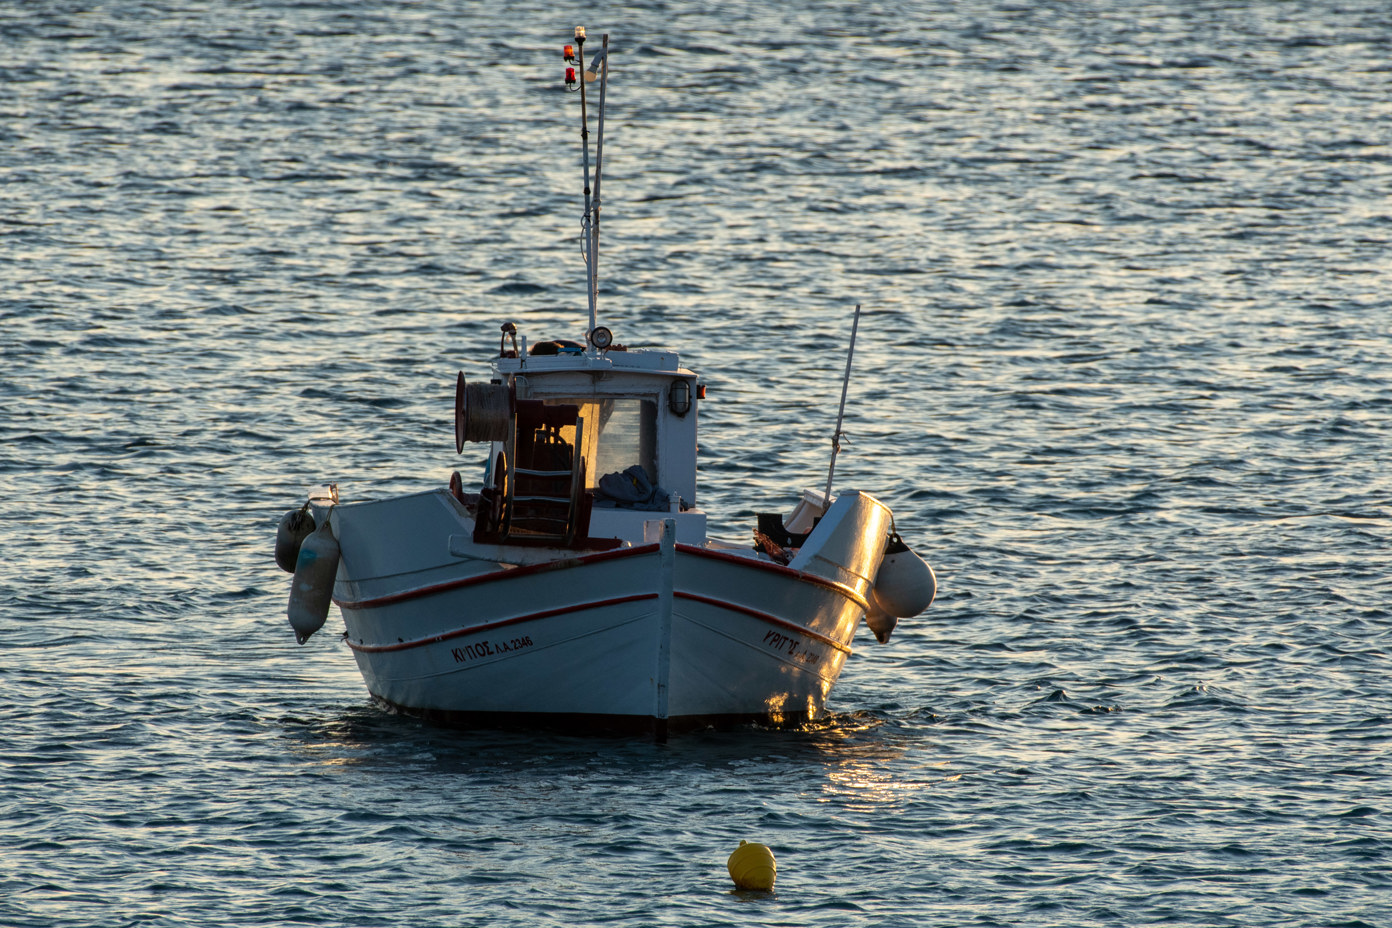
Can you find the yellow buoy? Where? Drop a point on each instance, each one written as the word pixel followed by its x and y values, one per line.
pixel 752 866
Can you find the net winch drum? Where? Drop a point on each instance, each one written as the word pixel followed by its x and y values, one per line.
pixel 482 412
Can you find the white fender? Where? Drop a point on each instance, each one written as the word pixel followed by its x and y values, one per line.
pixel 311 591
pixel 905 585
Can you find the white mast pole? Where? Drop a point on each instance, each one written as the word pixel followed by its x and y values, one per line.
pixel 841 413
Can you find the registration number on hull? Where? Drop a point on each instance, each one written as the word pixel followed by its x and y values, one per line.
pixel 481 649
pixel 791 648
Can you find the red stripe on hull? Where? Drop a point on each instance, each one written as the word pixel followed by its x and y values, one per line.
pixel 599 604
pixel 764 617
pixel 513 573
pixel 501 623
pixel 770 567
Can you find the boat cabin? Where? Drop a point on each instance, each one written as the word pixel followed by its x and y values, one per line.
pixel 585 446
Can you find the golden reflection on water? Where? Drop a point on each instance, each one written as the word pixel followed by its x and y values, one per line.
pixel 861 784
pixel 781 708
pixel 866 771
pixel 340 741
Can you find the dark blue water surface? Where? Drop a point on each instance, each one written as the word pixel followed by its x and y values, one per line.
pixel 1123 376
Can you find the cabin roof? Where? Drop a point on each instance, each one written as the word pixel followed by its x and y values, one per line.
pixel 661 361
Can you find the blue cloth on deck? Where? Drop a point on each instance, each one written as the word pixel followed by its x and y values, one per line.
pixel 631 489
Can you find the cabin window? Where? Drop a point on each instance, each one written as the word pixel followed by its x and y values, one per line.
pixel 618 433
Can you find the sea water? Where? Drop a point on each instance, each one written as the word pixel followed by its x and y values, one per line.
pixel 1122 376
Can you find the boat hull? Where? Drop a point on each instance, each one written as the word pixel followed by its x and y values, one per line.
pixel 655 635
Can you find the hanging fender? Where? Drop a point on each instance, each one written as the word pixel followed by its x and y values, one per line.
pixel 904 586
pixel 294 528
pixel 311 591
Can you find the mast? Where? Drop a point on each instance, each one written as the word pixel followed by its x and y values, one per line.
pixel 585 157
pixel 602 63
pixel 589 224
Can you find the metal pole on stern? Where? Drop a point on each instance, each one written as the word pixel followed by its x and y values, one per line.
pixel 841 413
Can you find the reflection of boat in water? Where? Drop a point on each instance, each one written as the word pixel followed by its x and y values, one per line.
pixel 579 584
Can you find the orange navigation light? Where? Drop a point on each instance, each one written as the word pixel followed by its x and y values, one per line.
pixel 570 53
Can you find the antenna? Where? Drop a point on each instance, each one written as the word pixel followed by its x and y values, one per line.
pixel 841 413
pixel 602 63
pixel 585 157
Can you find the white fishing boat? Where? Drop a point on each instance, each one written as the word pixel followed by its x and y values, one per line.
pixel 578 585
